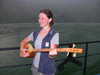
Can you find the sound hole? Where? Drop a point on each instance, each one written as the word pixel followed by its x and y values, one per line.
pixel 27 48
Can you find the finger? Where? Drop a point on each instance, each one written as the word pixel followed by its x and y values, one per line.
pixel 53 52
pixel 25 54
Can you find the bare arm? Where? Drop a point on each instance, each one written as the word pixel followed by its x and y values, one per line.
pixel 22 49
pixel 53 53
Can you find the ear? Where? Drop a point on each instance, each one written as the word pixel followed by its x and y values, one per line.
pixel 50 19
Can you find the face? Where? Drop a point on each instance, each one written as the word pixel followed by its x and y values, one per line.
pixel 43 20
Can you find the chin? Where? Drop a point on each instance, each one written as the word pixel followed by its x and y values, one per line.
pixel 41 25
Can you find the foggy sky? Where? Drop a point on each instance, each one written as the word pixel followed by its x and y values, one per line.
pixel 65 10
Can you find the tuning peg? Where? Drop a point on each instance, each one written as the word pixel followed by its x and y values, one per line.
pixel 74 55
pixel 67 54
pixel 73 45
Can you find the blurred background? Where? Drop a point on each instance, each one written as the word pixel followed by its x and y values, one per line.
pixel 26 11
pixel 75 20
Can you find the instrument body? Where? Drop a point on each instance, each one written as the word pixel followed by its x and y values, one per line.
pixel 32 51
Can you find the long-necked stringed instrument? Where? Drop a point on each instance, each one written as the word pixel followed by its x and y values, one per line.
pixel 32 51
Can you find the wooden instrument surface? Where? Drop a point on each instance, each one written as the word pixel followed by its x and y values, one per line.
pixel 32 51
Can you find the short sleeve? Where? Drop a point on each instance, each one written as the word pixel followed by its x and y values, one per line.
pixel 55 39
pixel 31 36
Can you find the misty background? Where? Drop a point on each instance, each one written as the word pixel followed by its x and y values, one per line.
pixel 70 11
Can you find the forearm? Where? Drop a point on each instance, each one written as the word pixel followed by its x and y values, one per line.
pixel 22 44
pixel 22 49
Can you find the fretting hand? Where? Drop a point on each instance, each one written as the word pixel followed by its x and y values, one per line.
pixel 53 53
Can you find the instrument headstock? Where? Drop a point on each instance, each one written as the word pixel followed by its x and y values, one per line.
pixel 74 50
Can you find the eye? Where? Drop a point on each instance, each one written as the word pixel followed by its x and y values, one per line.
pixel 43 18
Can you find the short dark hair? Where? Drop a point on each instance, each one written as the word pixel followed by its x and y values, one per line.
pixel 49 14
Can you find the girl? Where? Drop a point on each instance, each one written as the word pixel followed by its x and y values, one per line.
pixel 45 37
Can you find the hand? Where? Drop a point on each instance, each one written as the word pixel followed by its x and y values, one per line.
pixel 53 52
pixel 24 52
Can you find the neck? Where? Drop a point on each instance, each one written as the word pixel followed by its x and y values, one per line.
pixel 46 29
